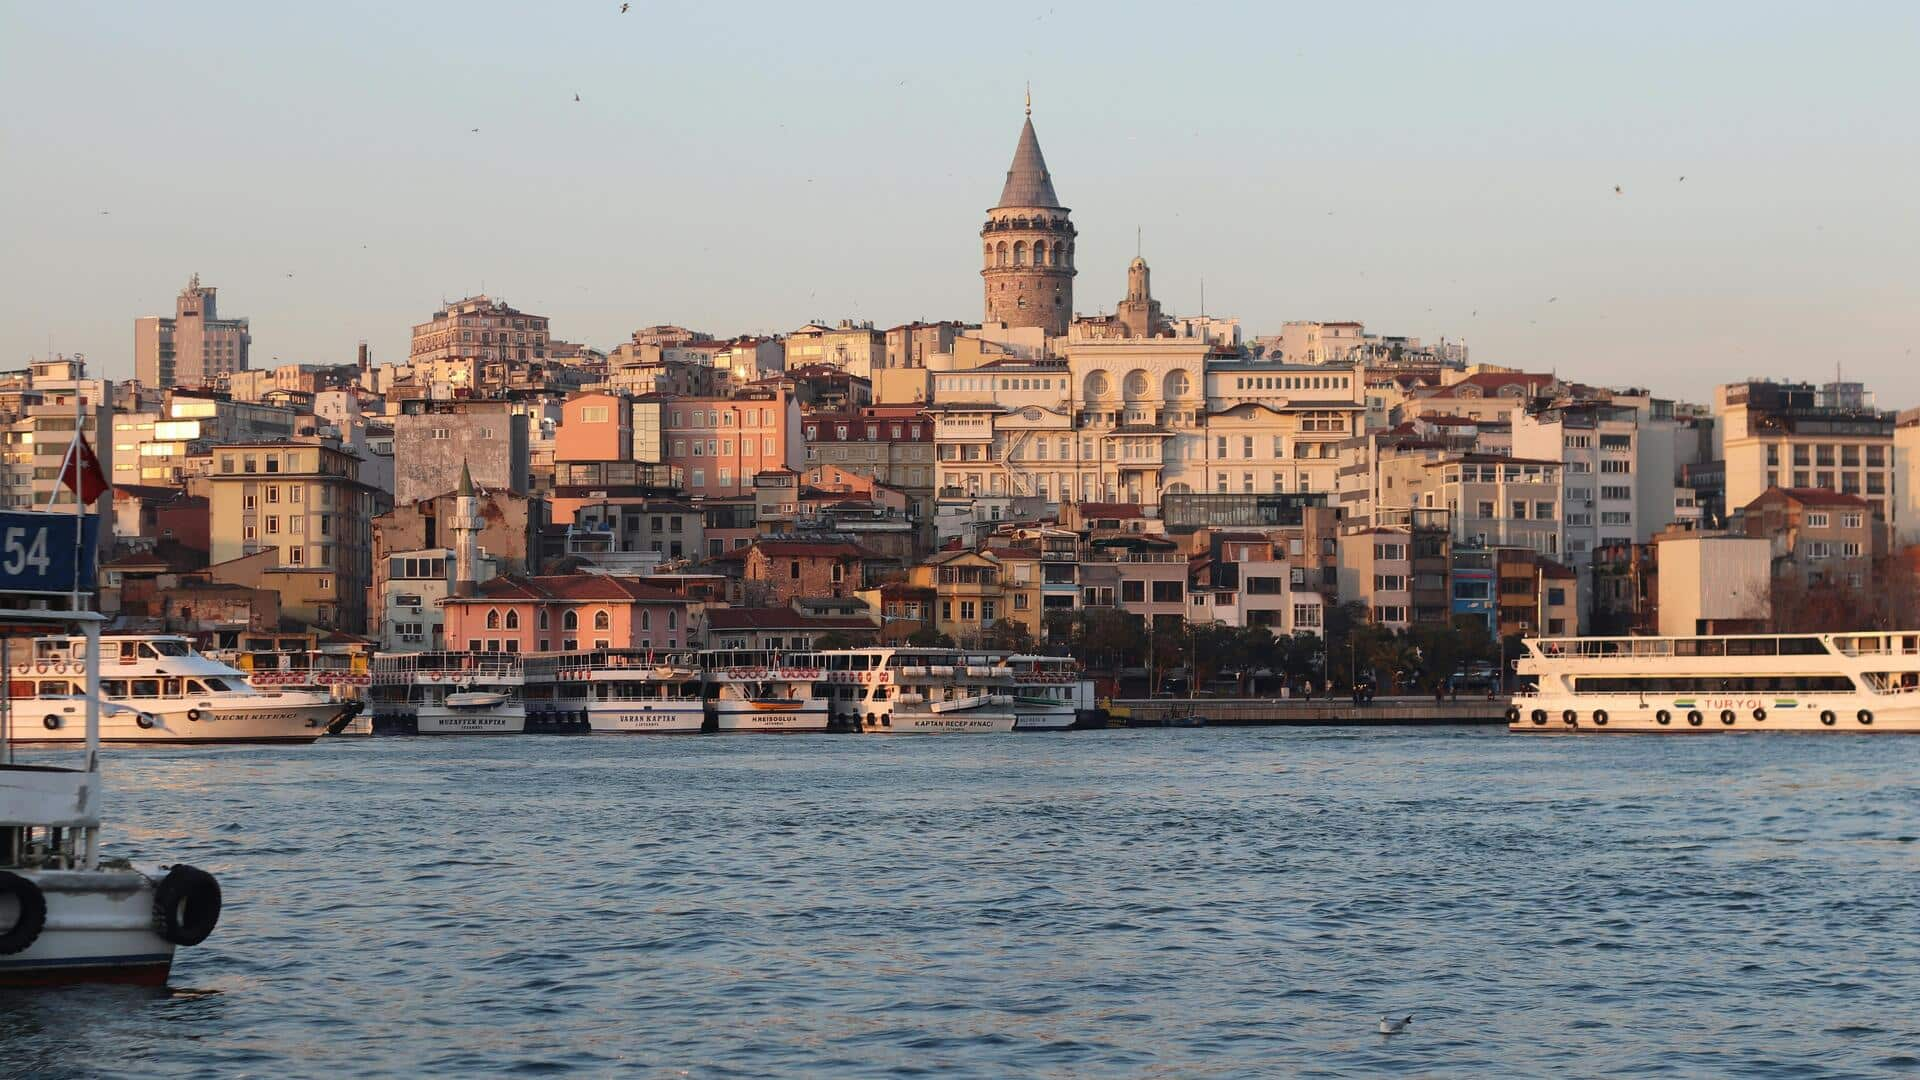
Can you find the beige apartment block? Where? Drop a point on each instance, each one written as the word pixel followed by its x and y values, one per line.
pixel 194 346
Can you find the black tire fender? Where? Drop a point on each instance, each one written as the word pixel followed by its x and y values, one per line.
pixel 1865 716
pixel 193 715
pixel 1827 717
pixel 1539 717
pixel 1759 715
pixel 33 913
pixel 1726 717
pixel 1663 718
pixel 1513 714
pixel 52 722
pixel 1600 717
pixel 186 905
pixel 1694 717
pixel 1570 718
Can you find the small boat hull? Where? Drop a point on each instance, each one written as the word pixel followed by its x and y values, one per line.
pixel 805 715
pixel 292 718
pixel 645 717
pixel 99 929
pixel 1043 716
pixel 968 722
pixel 508 719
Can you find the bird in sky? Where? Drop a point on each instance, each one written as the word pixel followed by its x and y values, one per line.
pixel 1682 180
pixel 1551 299
pixel 576 97
pixel 106 211
pixel 1616 189
pixel 624 7
pixel 476 131
pixel 1390 1026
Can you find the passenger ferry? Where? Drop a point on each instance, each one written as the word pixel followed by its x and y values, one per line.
pixel 638 692
pixel 757 690
pixel 453 693
pixel 157 689
pixel 1046 693
pixel 1863 682
pixel 906 691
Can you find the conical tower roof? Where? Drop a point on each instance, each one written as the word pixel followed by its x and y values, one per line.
pixel 1028 183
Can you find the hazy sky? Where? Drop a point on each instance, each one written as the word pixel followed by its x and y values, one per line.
pixel 1430 169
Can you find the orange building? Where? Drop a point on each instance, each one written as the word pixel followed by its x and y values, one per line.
pixel 581 611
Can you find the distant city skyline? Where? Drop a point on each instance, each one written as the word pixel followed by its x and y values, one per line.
pixel 1426 172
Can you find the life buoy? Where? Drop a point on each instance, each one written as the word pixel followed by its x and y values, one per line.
pixel 1827 717
pixel 52 722
pixel 1694 717
pixel 144 721
pixel 1663 718
pixel 193 715
pixel 186 905
pixel 1570 718
pixel 1600 717
pixel 1759 715
pixel 42 667
pixel 32 916
pixel 1539 717
pixel 1865 716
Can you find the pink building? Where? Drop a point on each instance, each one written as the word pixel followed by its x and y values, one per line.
pixel 565 614
pixel 720 443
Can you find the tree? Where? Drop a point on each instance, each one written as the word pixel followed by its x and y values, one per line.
pixel 1007 635
pixel 928 638
pixel 833 639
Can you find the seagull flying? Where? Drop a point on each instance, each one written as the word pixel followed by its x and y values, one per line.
pixel 1390 1026
pixel 576 97
pixel 624 7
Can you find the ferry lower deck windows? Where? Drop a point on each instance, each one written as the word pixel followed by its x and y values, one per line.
pixel 1712 684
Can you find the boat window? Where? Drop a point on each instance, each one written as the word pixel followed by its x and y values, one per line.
pixel 54 688
pixel 1712 684
pixel 169 648
pixel 113 688
pixel 219 685
pixel 20 688
pixel 882 693
pixel 173 688
pixel 146 688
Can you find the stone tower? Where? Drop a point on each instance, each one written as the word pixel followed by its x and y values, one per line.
pixel 1140 312
pixel 1027 245
pixel 465 527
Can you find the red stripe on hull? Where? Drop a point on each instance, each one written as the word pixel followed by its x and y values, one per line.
pixel 122 975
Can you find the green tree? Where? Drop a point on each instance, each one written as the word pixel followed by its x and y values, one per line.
pixel 833 639
pixel 928 638
pixel 1009 636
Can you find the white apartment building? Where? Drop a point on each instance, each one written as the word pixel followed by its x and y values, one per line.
pixel 1796 435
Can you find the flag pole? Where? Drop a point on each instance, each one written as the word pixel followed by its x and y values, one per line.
pixel 79 486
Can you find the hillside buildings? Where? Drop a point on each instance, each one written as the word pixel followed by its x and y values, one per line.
pixel 195 346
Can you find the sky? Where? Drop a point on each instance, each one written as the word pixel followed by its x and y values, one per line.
pixel 1430 169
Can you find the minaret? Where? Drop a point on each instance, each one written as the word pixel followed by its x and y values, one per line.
pixel 1027 245
pixel 465 529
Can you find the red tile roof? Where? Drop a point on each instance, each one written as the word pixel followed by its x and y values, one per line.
pixel 1821 497
pixel 1109 510
pixel 815 549
pixel 577 587
pixel 781 618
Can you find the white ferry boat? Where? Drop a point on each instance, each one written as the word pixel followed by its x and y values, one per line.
pixel 157 689
pixel 454 693
pixel 905 691
pixel 756 690
pixel 1865 682
pixel 66 914
pixel 636 692
pixel 1046 692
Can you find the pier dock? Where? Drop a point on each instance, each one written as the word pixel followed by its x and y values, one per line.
pixel 1321 712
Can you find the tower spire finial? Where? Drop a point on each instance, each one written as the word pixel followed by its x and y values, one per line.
pixel 1029 97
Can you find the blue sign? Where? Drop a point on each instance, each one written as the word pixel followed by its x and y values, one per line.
pixel 39 552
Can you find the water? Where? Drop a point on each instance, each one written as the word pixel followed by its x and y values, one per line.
pixel 1206 903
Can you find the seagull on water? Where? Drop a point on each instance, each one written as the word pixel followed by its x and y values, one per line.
pixel 1390 1026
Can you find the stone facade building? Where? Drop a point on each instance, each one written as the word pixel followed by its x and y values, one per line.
pixel 193 346
pixel 1027 246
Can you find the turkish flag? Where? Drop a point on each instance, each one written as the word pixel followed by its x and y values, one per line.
pixel 82 472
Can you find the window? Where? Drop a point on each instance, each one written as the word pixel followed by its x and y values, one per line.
pixel 1816 519
pixel 1306 615
pixel 602 620
pixel 513 619
pixel 570 621
pixel 1852 520
pixel 593 414
pixel 1389 582
pixel 248 502
pixel 493 618
pixel 1168 592
pixel 1133 592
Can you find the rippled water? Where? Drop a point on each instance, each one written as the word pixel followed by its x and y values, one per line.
pixel 1147 903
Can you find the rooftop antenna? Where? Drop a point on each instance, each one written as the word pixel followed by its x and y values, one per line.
pixel 1136 242
pixel 1029 98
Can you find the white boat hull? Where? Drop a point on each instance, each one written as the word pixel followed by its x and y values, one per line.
pixel 1705 714
pixel 507 719
pixel 1035 716
pixel 99 928
pixel 646 717
pixel 264 718
pixel 807 715
pixel 968 722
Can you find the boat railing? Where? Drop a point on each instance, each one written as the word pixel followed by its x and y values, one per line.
pixel 1641 648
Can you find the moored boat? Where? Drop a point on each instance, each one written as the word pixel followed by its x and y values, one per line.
pixel 1045 692
pixel 66 914
pixel 760 691
pixel 638 692
pixel 454 693
pixel 1858 682
pixel 157 689
pixel 911 691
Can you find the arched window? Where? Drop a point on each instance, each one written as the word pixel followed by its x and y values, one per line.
pixel 1019 253
pixel 1055 254
pixel 543 618
pixel 513 619
pixel 601 620
pixel 1000 254
pixel 493 618
pixel 1039 253
pixel 646 619
pixel 570 621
